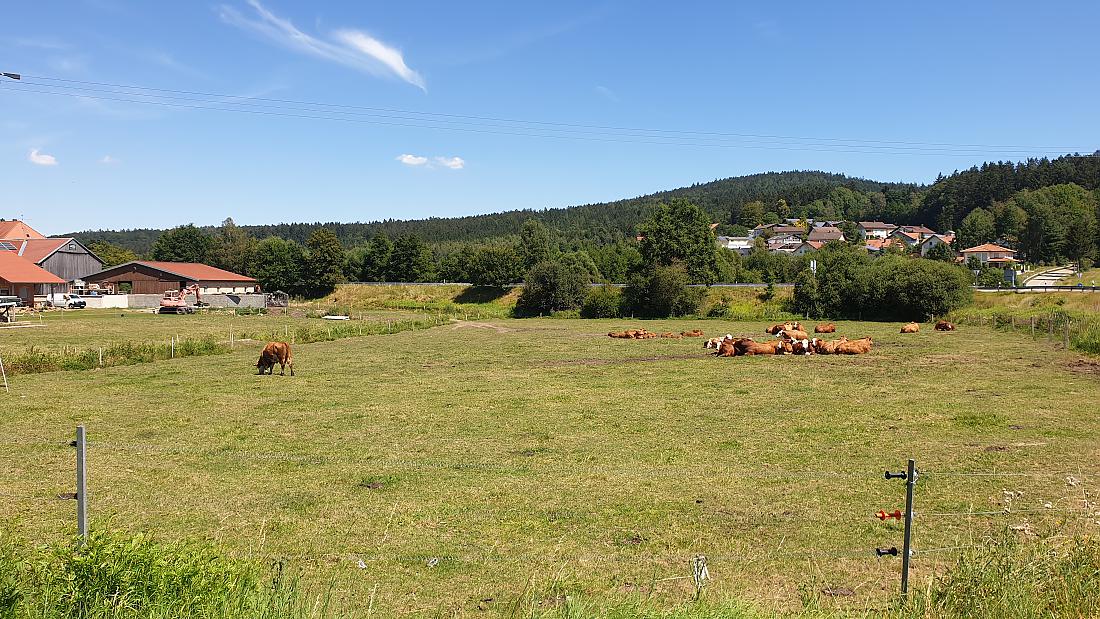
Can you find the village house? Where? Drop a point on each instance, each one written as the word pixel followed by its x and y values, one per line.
pixel 808 246
pixel 743 245
pixel 933 241
pixel 875 229
pixel 824 234
pixel 989 253
pixel 151 277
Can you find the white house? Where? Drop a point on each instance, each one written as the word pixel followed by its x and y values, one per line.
pixel 875 229
pixel 991 254
pixel 741 244
pixel 933 241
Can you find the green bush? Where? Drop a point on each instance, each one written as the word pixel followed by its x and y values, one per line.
pixel 850 284
pixel 660 292
pixel 601 302
pixel 552 287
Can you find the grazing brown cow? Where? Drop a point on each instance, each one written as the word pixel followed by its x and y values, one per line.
pixel 692 333
pixel 854 347
pixel 826 328
pixel 911 328
pixel 276 352
pixel 943 325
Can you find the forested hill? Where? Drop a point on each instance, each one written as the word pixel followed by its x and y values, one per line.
pixel 740 201
pixel 599 223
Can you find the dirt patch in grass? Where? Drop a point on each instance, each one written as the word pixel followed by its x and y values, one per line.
pixel 1084 366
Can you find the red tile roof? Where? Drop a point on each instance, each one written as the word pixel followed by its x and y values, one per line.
pixel 16 270
pixel 16 229
pixel 196 271
pixel 988 247
pixel 37 250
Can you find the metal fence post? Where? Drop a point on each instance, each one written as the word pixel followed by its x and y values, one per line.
pixel 81 445
pixel 910 483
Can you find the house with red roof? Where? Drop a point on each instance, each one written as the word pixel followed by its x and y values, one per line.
pixel 153 277
pixel 22 278
pixel 65 257
pixel 988 253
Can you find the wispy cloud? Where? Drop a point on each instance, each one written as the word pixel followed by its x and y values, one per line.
pixel 38 158
pixel 351 48
pixel 454 163
pixel 412 160
pixel 607 93
pixel 108 160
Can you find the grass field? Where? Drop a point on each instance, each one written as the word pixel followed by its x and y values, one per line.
pixel 507 467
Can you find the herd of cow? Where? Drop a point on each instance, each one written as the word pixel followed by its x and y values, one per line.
pixel 791 339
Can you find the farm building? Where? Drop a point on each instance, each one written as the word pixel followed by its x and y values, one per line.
pixel 149 277
pixel 65 257
pixel 22 278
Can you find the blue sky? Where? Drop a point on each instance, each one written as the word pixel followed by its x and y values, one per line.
pixel 890 91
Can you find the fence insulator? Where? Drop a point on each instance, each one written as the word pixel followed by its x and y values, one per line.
pixel 891 551
pixel 890 475
pixel 883 515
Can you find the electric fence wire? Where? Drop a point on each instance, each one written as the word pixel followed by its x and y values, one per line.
pixel 489 125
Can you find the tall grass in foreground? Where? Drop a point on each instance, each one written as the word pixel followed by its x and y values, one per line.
pixel 36 360
pixel 1081 329
pixel 1057 578
pixel 124 577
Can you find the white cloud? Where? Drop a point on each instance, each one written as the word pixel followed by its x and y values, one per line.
pixel 108 160
pixel 352 48
pixel 38 158
pixel 454 163
pixel 412 160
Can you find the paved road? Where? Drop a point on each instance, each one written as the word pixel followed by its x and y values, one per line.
pixel 1049 278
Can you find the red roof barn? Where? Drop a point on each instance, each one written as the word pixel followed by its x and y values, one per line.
pixel 151 277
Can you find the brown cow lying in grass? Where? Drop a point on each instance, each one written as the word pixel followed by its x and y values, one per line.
pixel 276 352
pixel 692 333
pixel 855 347
pixel 823 347
pixel 715 342
pixel 794 334
pixel 670 335
pixel 943 325
pixel 633 334
pixel 826 328
pixel 787 326
pixel 911 328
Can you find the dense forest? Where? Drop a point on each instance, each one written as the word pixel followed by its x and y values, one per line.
pixel 591 223
pixel 1047 209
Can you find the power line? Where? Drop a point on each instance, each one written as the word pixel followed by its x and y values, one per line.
pixel 548 123
pixel 439 121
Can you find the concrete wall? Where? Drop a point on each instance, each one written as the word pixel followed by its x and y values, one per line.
pixel 213 300
pixel 108 301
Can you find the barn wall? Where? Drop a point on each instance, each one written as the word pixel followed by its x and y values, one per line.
pixel 70 265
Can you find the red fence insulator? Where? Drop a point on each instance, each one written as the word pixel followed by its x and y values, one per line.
pixel 883 515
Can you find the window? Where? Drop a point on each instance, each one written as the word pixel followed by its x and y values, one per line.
pixel 7 246
pixel 72 246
